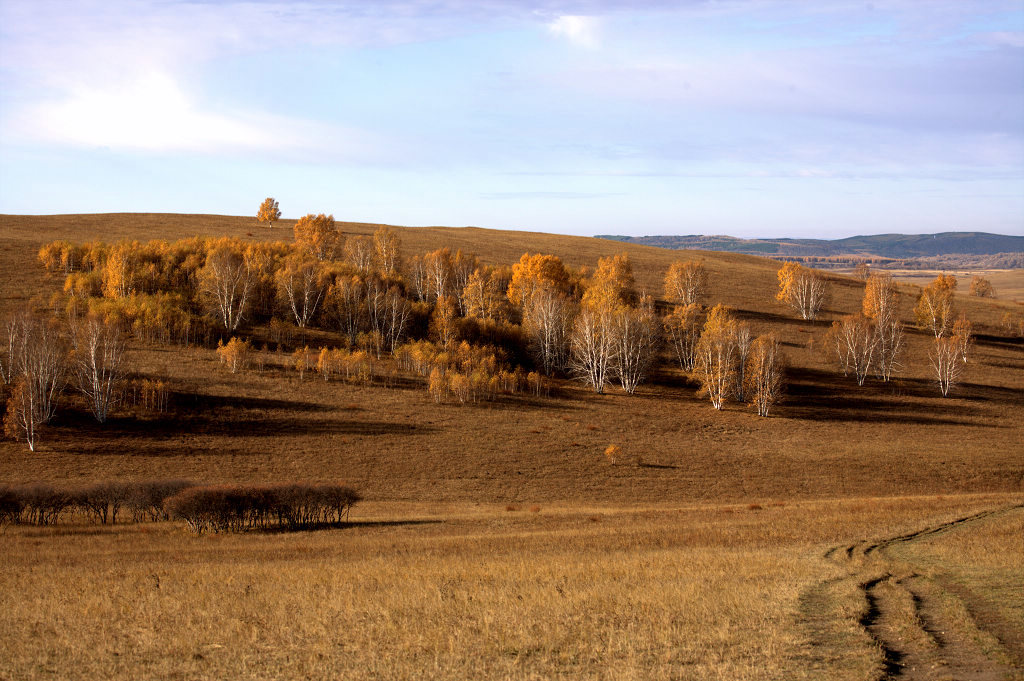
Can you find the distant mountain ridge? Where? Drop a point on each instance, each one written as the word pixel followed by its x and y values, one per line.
pixel 878 245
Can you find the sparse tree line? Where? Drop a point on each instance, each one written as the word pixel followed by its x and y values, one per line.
pixel 872 341
pixel 217 508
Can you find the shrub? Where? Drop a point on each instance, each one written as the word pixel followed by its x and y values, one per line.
pixel 146 499
pixel 11 505
pixel 43 504
pixel 103 499
pixel 235 508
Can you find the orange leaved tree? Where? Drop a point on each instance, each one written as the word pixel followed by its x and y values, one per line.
pixel 269 211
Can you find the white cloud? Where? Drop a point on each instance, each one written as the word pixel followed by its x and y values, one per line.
pixel 153 113
pixel 578 30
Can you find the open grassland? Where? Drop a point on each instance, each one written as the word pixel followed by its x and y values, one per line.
pixel 465 591
pixel 497 541
pixel 1008 284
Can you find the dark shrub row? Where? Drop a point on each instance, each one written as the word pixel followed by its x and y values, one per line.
pixel 224 508
pixel 43 504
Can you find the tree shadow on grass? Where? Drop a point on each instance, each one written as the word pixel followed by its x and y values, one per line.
pixel 343 525
pixel 815 395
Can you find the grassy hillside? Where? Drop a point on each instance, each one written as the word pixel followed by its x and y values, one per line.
pixel 496 541
pixel 396 443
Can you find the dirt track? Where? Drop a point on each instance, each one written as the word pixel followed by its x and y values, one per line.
pixel 924 627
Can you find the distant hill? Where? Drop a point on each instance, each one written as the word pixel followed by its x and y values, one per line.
pixel 878 245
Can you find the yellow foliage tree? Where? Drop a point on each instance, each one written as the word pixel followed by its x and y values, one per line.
pixel 716 356
pixel 802 288
pixel 686 283
pixel 318 235
pixel 235 354
pixel 534 272
pixel 934 311
pixel 269 211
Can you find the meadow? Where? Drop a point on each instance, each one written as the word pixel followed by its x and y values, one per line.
pixel 498 541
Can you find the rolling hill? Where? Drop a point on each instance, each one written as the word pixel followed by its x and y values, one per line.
pixel 897 246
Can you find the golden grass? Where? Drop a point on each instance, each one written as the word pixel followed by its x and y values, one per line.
pixel 701 592
pixel 545 560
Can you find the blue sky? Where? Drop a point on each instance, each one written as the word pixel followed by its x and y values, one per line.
pixel 752 118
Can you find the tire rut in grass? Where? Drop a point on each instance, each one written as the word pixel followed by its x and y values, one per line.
pixel 916 641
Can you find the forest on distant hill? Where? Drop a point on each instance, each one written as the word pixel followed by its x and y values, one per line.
pixel 905 251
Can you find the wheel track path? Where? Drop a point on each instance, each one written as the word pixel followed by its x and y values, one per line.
pixel 934 647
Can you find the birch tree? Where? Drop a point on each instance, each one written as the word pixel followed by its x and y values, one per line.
pixel 716 356
pixel 934 311
pixel 97 364
pixel 636 334
pixel 318 235
pixel 854 341
pixel 946 363
pixel 683 329
pixel 269 211
pixel 686 283
pixel 227 280
pixel 880 304
pixel 548 323
pixel 802 289
pixel 765 369
pixel 302 282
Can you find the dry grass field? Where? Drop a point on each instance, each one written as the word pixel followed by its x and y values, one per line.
pixel 497 541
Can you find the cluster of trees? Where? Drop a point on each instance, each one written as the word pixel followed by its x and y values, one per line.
pixel 103 502
pixel 216 508
pixel 42 356
pixel 236 508
pixel 472 331
pixel 873 339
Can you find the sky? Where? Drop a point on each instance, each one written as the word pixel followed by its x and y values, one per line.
pixel 754 118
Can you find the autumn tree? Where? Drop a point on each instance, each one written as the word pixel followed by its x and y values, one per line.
pixel 269 212
pixel 397 311
pixel 963 337
pixel 386 247
pixel 418 277
pixel 764 373
pixel 802 289
pixel 478 297
pixel 637 338
pixel 22 419
pixel 592 346
pixel 548 325
pixel 227 280
pixel 235 354
pixel 7 351
pixel 534 272
pixel 97 363
pixel 686 283
pixel 934 311
pixel 120 270
pixel 982 287
pixel 463 266
pixel 682 329
pixel 612 284
pixel 852 340
pixel 716 356
pixel 40 374
pixel 744 341
pixel 439 273
pixel 302 282
pixel 880 304
pixel 946 363
pixel 318 235
pixel 359 253
pixel 444 321
pixel 346 299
